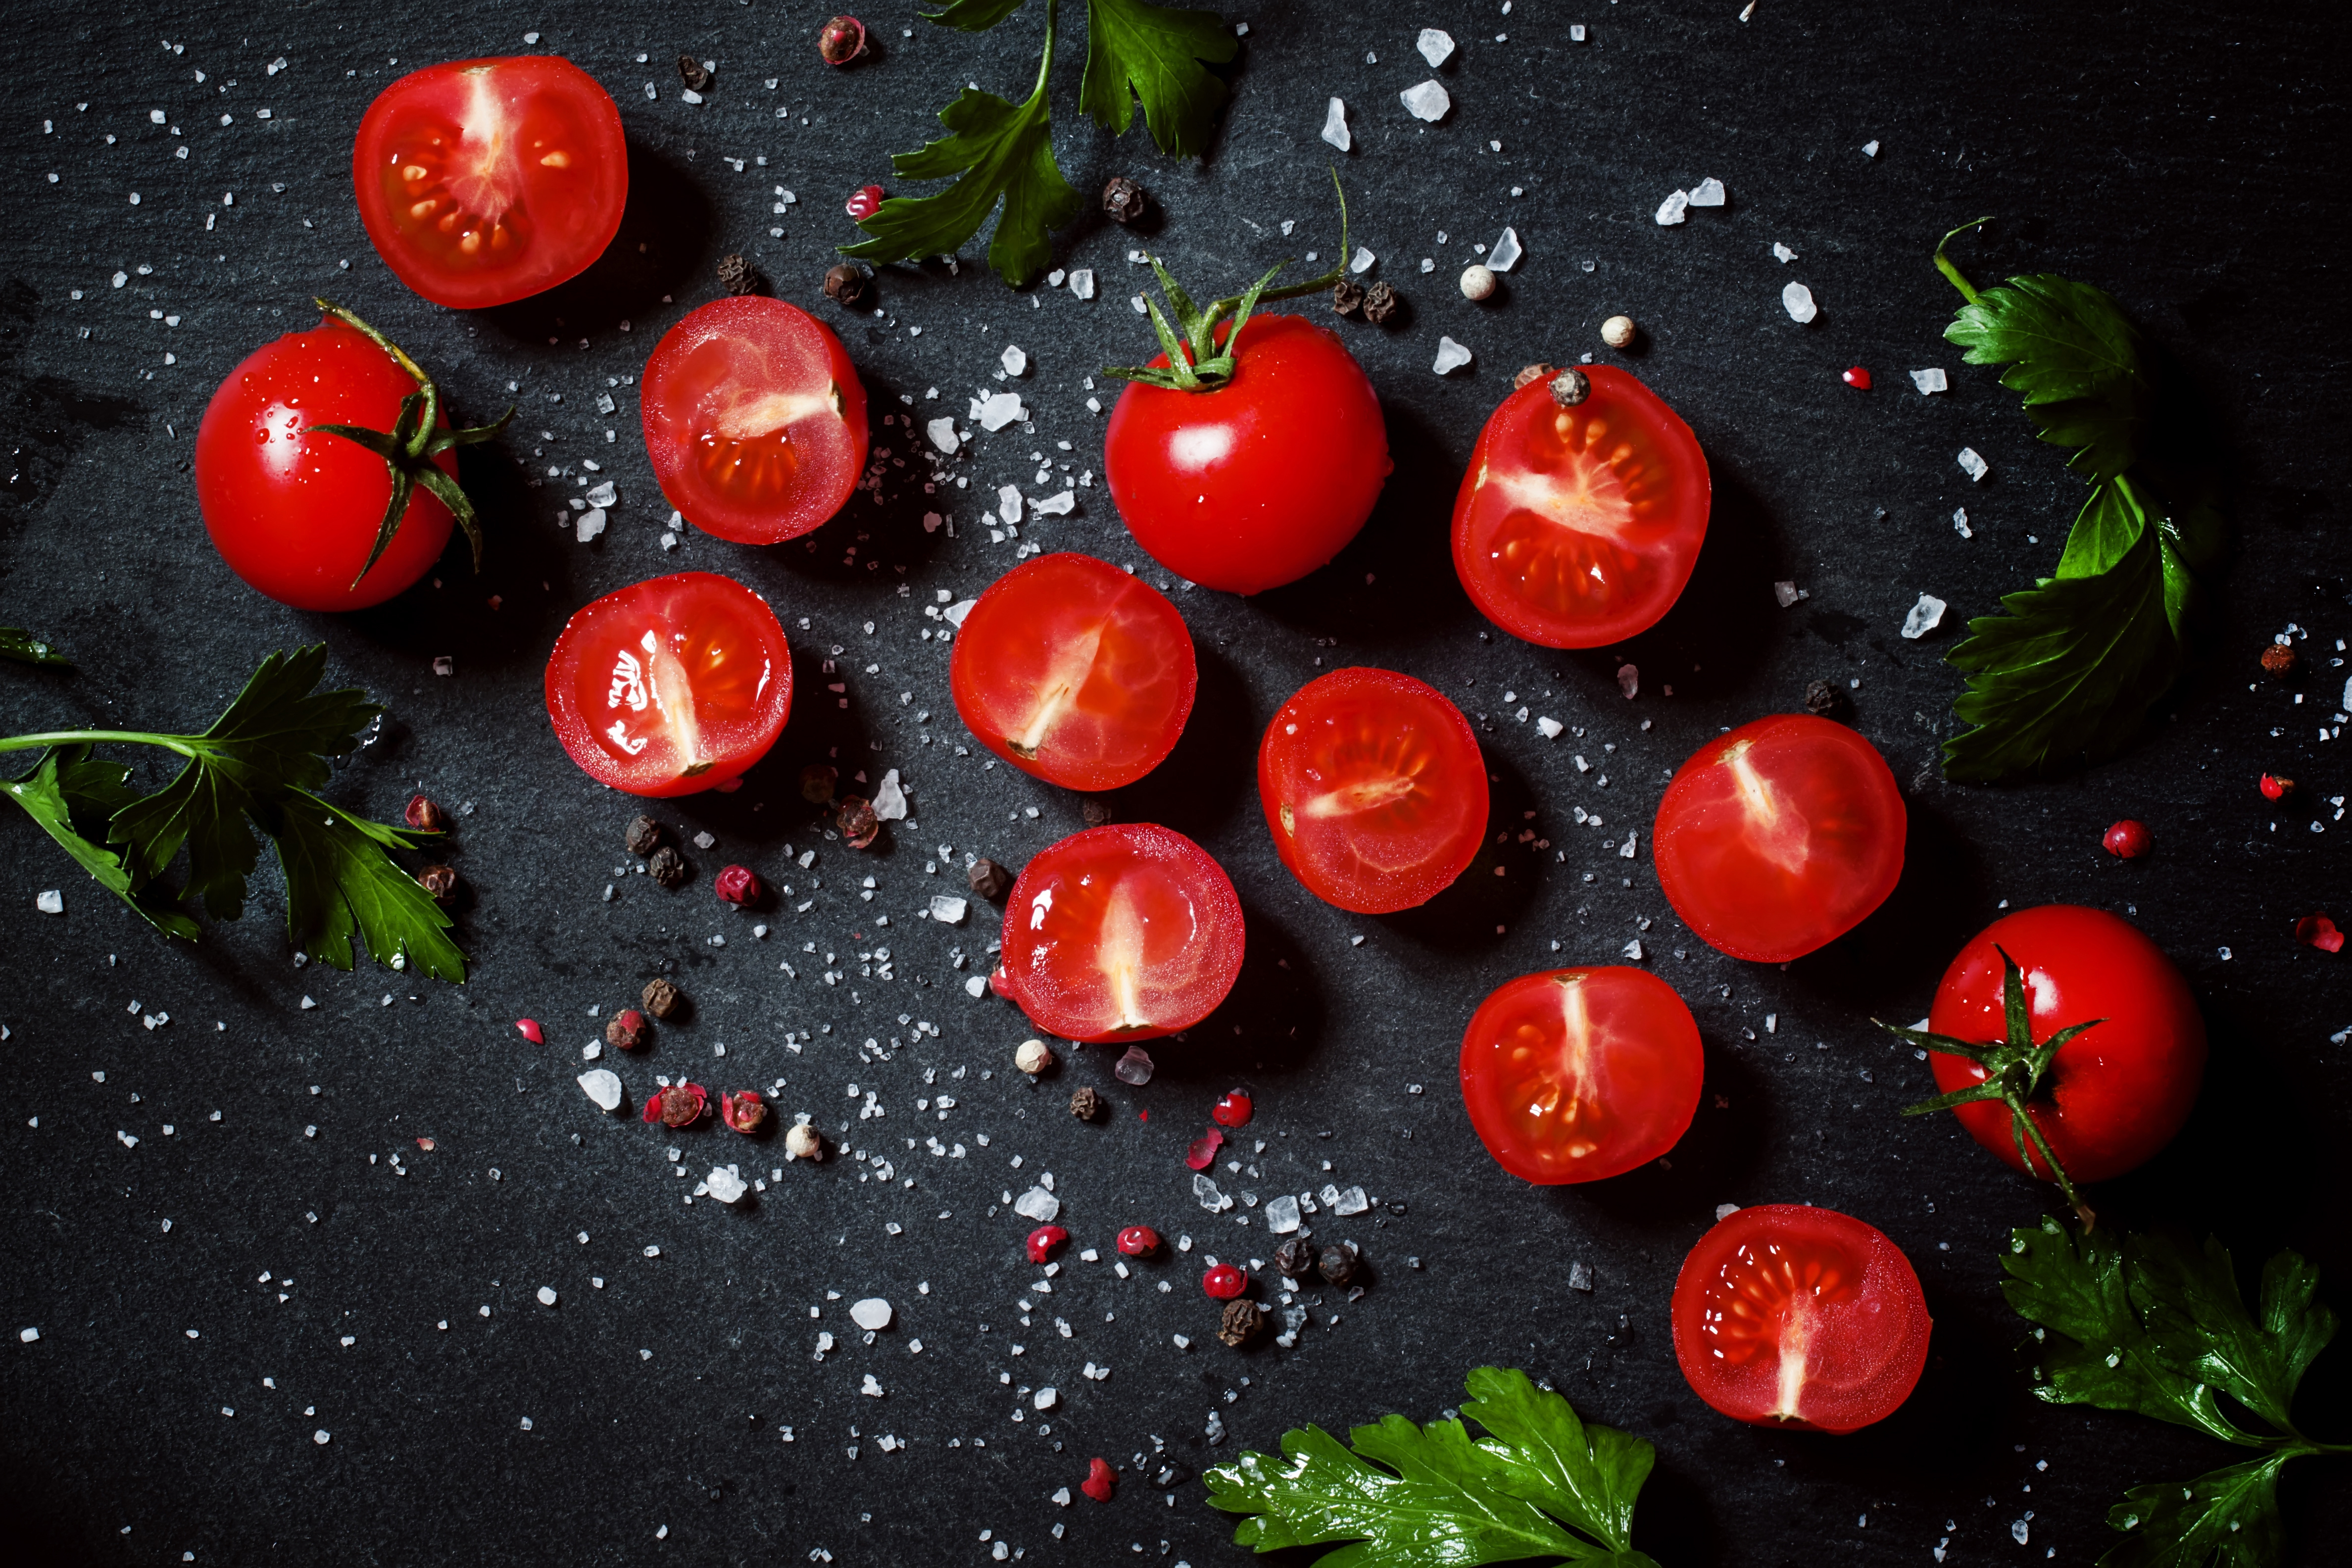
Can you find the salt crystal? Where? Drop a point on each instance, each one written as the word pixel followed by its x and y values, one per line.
pixel 1674 209
pixel 1000 409
pixel 1579 1276
pixel 1013 359
pixel 1632 950
pixel 590 523
pixel 1135 1067
pixel 1782 253
pixel 725 1184
pixel 547 1294
pixel 976 986
pixel 1428 101
pixel 1507 253
pixel 1725 1211
pixel 954 614
pixel 1434 47
pixel 1209 1197
pixel 1550 728
pixel 871 1389
pixel 872 1314
pixel 603 495
pixel 1060 505
pixel 890 798
pixel 602 1085
pixel 1363 260
pixel 1008 502
pixel 1974 467
pixel 948 910
pixel 1929 380
pixel 1870 148
pixel 1082 282
pixel 1335 126
pixel 1708 193
pixel 1045 1398
pixel 51 901
pixel 1787 593
pixel 1798 301
pixel 1629 681
pixel 942 432
pixel 1351 1201
pixel 2018 1532
pixel 1037 1203
pixel 1451 357
pixel 1960 522
pixel 1923 616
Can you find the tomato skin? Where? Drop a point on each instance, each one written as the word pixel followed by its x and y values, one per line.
pixel 2114 1094
pixel 1612 1056
pixel 1109 642
pixel 293 511
pixel 1842 1350
pixel 1146 899
pixel 1366 734
pixel 546 221
pixel 755 419
pixel 1262 481
pixel 1780 838
pixel 695 710
pixel 1622 463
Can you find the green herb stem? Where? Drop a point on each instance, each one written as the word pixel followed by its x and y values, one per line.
pixel 1944 263
pixel 186 745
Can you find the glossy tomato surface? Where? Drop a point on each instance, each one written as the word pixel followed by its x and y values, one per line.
pixel 1122 932
pixel 1374 790
pixel 1578 1074
pixel 482 182
pixel 1260 481
pixel 1578 526
pixel 1780 838
pixel 2114 1094
pixel 1791 1316
pixel 671 687
pixel 293 511
pixel 755 419
pixel 1071 669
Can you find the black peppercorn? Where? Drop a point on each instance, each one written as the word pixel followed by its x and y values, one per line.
pixel 989 880
pixel 847 285
pixel 1571 387
pixel 1095 810
pixel 1085 1105
pixel 1122 200
pixel 662 999
pixel 1295 1257
pixel 1823 699
pixel 1241 1320
pixel 816 783
pixel 2279 662
pixel 1336 1264
pixel 735 274
pixel 1347 297
pixel 642 837
pixel 667 867
pixel 692 73
pixel 1381 302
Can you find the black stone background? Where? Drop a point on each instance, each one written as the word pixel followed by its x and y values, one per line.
pixel 2190 158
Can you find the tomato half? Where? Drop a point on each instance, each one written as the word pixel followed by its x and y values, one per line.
pixel 482 182
pixel 755 419
pixel 671 687
pixel 1780 838
pixel 1578 525
pixel 1260 481
pixel 294 511
pixel 1578 1074
pixel 1071 669
pixel 2115 1093
pixel 1122 932
pixel 1374 789
pixel 1791 1316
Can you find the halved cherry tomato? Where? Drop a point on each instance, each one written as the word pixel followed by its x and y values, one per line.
pixel 1374 790
pixel 671 687
pixel 482 182
pixel 1072 670
pixel 1578 1074
pixel 1122 932
pixel 1578 525
pixel 1791 1316
pixel 1780 838
pixel 755 419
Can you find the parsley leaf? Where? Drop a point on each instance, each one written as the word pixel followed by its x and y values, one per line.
pixel 2076 358
pixel 1156 52
pixel 1542 1484
pixel 72 797
pixel 26 649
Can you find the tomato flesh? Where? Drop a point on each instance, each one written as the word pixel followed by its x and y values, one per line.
pixel 1578 526
pixel 2115 1093
pixel 1072 670
pixel 1780 838
pixel 1262 481
pixel 1791 1316
pixel 1122 932
pixel 1374 789
pixel 482 182
pixel 1578 1074
pixel 294 511
pixel 670 687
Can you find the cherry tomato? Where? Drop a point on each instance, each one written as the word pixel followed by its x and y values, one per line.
pixel 1791 1316
pixel 1122 932
pixel 755 419
pixel 482 182
pixel 295 511
pixel 2114 1094
pixel 671 687
pixel 1071 669
pixel 1780 838
pixel 1578 525
pixel 1374 790
pixel 1260 481
pixel 1578 1074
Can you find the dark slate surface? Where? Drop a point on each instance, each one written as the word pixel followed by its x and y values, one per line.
pixel 2189 160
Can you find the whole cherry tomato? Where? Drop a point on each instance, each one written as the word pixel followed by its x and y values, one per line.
pixel 481 182
pixel 1579 522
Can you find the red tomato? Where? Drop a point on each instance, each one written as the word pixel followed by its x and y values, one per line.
pixel 1791 1316
pixel 1579 1074
pixel 293 511
pixel 1122 932
pixel 1374 790
pixel 672 686
pixel 485 181
pixel 755 419
pixel 1780 838
pixel 1260 481
pixel 2114 1094
pixel 1578 526
pixel 1071 669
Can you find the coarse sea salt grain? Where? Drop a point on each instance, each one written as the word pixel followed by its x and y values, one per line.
pixel 1674 209
pixel 1506 254
pixel 1787 593
pixel 1923 616
pixel 1976 467
pixel 1427 101
pixel 602 1085
pixel 947 909
pixel 1782 252
pixel 590 523
pixel 1435 46
pixel 1134 1068
pixel 1451 357
pixel 1015 360
pixel 1929 381
pixel 1000 409
pixel 1282 1215
pixel 1335 126
pixel 872 1314
pixel 890 798
pixel 942 432
pixel 1798 299
pixel 1708 193
pixel 1060 504
pixel 1362 260
pixel 1082 282
pixel 725 1184
pixel 1038 1204
pixel 1960 522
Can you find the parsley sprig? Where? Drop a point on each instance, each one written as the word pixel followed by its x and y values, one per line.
pixel 2145 1324
pixel 1541 1484
pixel 1000 152
pixel 2069 669
pixel 26 649
pixel 259 766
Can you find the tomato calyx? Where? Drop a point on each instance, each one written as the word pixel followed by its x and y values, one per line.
pixel 409 447
pixel 1195 364
pixel 2013 1070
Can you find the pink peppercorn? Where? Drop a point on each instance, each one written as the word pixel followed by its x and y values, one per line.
pixel 865 202
pixel 1203 1152
pixel 1139 1241
pixel 2276 788
pixel 1858 378
pixel 841 40
pixel 738 885
pixel 2128 840
pixel 744 1112
pixel 2319 932
pixel 1233 1110
pixel 1042 1240
pixel 1100 1479
pixel 1224 1282
pixel 530 1028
